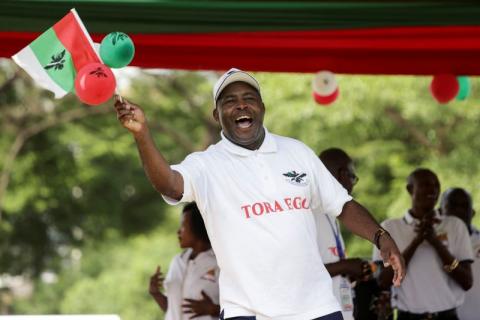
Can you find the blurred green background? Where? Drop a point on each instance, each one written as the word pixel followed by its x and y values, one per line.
pixel 81 228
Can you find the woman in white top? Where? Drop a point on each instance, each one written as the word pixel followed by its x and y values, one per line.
pixel 191 285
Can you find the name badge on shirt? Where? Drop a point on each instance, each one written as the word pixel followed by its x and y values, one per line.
pixel 346 295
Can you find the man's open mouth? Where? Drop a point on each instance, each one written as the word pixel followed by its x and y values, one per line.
pixel 243 122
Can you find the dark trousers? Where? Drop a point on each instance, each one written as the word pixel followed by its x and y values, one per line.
pixel 442 315
pixel 332 316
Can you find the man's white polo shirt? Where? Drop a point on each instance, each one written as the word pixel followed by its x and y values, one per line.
pixel 427 287
pixel 470 309
pixel 327 227
pixel 187 278
pixel 257 207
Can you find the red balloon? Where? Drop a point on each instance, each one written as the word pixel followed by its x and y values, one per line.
pixel 444 87
pixel 95 83
pixel 325 100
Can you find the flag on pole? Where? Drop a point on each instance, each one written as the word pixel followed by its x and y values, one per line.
pixel 55 57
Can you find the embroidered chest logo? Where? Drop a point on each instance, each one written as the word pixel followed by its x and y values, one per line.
pixel 296 178
pixel 210 276
pixel 333 250
pixel 443 237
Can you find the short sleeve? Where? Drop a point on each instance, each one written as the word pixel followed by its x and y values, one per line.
pixel 173 287
pixel 328 195
pixel 191 169
pixel 174 274
pixel 463 245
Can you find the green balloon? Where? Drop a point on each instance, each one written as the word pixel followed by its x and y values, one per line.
pixel 464 90
pixel 117 50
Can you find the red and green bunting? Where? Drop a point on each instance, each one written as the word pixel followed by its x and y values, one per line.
pixel 356 37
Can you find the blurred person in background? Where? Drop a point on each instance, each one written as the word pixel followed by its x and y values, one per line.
pixel 437 253
pixel 458 202
pixel 343 270
pixel 191 285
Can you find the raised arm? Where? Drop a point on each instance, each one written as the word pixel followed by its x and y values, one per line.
pixel 165 180
pixel 359 221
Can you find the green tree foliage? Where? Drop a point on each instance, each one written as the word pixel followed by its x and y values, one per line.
pixel 71 173
pixel 76 201
pixel 110 278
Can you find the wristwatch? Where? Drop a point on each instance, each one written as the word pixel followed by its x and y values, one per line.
pixel 378 234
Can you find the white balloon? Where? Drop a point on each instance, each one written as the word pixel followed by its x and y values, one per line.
pixel 324 83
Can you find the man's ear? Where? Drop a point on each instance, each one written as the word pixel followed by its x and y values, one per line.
pixel 410 189
pixel 340 172
pixel 215 114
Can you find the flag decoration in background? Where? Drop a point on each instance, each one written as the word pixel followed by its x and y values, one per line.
pixel 345 37
pixel 55 57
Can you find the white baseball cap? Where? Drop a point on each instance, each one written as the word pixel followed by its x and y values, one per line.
pixel 231 76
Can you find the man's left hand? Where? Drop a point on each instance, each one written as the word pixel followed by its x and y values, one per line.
pixel 392 257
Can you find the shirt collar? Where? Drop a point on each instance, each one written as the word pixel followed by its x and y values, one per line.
pixel 188 252
pixel 268 146
pixel 409 219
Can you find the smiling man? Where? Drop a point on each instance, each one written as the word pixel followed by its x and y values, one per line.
pixel 436 250
pixel 256 192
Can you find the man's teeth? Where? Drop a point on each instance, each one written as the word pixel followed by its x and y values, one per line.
pixel 244 122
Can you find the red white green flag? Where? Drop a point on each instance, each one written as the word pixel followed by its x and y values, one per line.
pixel 55 57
